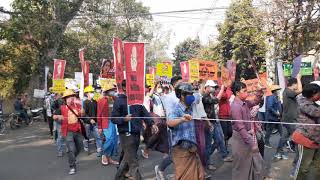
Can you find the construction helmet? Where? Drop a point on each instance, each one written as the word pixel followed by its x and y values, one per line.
pixel 68 93
pixel 88 89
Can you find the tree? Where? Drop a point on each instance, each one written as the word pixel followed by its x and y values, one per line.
pixel 294 25
pixel 58 28
pixel 242 33
pixel 186 50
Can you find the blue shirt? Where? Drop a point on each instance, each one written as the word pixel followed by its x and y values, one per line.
pixel 184 131
pixel 169 102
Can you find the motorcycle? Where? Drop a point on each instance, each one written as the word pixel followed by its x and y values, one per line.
pixel 36 114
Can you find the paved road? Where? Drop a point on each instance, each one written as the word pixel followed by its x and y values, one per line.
pixel 29 154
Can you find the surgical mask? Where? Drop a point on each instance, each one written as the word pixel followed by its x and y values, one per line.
pixel 112 93
pixel 189 99
pixel 159 91
pixel 90 95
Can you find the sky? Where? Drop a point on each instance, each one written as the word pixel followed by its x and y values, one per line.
pixel 182 25
pixel 191 24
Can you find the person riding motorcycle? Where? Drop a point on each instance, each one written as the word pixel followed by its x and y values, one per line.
pixel 21 111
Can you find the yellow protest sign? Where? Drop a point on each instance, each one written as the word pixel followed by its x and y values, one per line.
pixel 150 80
pixel 164 69
pixel 107 84
pixel 194 70
pixel 58 85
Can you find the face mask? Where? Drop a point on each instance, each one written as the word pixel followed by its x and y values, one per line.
pixel 159 91
pixel 189 100
pixel 212 90
pixel 112 93
pixel 90 95
pixel 243 96
pixel 99 91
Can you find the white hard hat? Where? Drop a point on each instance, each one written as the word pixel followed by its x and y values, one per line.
pixel 210 83
pixel 315 82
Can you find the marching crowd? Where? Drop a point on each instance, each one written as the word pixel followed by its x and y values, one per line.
pixel 187 122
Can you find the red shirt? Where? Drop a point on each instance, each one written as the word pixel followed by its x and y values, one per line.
pixel 103 113
pixel 66 113
pixel 224 104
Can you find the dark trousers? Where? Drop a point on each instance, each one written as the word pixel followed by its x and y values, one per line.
pixel 74 144
pixel 129 157
pixel 165 163
pixel 269 128
pixel 287 131
pixel 50 123
pixel 227 129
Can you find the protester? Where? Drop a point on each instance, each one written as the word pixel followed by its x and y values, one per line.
pixel 184 144
pixel 48 107
pixel 90 112
pixel 210 102
pixel 158 141
pixel 169 102
pixel 108 129
pixel 19 108
pixel 273 114
pixel 308 137
pixel 199 113
pixel 129 137
pixel 224 113
pixel 56 110
pixel 290 114
pixel 248 163
pixel 71 127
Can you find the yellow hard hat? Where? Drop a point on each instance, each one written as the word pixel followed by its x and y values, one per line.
pixel 88 89
pixel 68 93
pixel 108 87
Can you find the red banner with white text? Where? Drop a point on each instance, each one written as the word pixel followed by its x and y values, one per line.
pixel 184 67
pixel 118 61
pixel 134 54
pixel 58 69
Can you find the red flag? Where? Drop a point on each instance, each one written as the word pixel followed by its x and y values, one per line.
pixel 316 73
pixel 118 61
pixel 184 66
pixel 152 70
pixel 81 55
pixel 134 54
pixel 232 67
pixel 59 67
pixel 85 71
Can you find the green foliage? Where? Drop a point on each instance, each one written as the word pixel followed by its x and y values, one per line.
pixel 58 29
pixel 186 50
pixel 242 31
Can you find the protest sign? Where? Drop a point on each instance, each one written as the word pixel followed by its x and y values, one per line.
pixel 134 54
pixel 296 66
pixel 58 69
pixel 107 69
pixel 184 67
pixel 164 70
pixel 193 70
pixel 150 80
pixel 107 83
pixel 58 85
pixel 306 69
pixel 208 70
pixel 118 61
pixel 38 93
pixel 287 70
pixel 85 71
pixel 224 74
